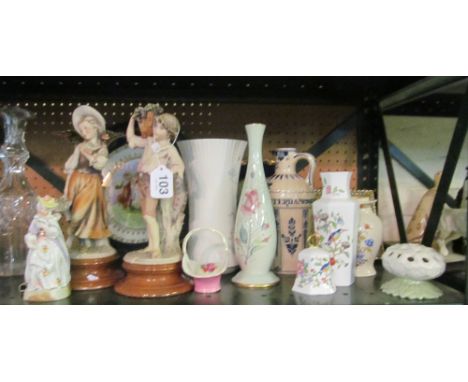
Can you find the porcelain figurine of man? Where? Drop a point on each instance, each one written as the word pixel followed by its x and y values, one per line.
pixel 164 217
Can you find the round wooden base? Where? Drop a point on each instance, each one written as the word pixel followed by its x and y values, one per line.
pixel 88 274
pixel 155 280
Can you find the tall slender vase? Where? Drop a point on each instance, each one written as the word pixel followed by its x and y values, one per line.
pixel 17 198
pixel 212 169
pixel 336 218
pixel 255 228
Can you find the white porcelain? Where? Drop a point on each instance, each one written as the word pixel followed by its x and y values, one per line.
pixel 292 198
pixel 255 229
pixel 370 238
pixel 314 272
pixel 47 275
pixel 413 261
pixel 212 169
pixel 206 271
pixel 336 217
pixel 414 265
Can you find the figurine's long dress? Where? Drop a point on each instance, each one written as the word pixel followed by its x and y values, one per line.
pixel 88 206
pixel 48 263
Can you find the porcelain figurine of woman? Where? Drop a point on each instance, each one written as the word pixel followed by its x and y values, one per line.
pixel 47 274
pixel 83 187
pixel 164 217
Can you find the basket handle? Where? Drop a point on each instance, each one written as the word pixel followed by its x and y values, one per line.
pixel 195 230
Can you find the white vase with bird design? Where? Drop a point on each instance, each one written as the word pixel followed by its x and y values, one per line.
pixel 336 219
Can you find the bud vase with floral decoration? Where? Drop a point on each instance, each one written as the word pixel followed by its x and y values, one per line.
pixel 255 228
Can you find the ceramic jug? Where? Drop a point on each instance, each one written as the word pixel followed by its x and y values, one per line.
pixel 292 198
pixel 336 217
pixel 279 153
pixel 255 231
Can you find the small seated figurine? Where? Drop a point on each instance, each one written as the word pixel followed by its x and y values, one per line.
pixel 47 275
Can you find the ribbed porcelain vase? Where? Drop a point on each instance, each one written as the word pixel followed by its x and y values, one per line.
pixel 336 219
pixel 255 229
pixel 212 169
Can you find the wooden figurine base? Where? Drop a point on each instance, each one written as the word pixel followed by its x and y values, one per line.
pixel 155 280
pixel 88 274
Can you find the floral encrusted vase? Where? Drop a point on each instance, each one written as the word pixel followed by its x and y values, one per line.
pixel 255 229
pixel 336 217
pixel 314 272
pixel 369 239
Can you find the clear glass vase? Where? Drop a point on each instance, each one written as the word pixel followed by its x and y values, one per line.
pixel 17 198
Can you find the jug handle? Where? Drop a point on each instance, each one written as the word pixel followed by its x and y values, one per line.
pixel 311 159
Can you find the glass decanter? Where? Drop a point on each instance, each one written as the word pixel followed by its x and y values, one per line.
pixel 17 198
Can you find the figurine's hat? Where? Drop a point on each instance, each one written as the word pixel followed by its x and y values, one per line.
pixel 47 202
pixel 171 123
pixel 83 111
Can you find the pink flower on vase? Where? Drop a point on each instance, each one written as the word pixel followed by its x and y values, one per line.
pixel 266 239
pixel 265 226
pixel 300 267
pixel 208 267
pixel 251 202
pixel 328 190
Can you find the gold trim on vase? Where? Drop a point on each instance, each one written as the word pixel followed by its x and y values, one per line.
pixel 256 286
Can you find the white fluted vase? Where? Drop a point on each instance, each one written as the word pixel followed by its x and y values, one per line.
pixel 255 228
pixel 336 219
pixel 212 169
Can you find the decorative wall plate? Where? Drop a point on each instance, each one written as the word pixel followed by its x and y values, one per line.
pixel 123 197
